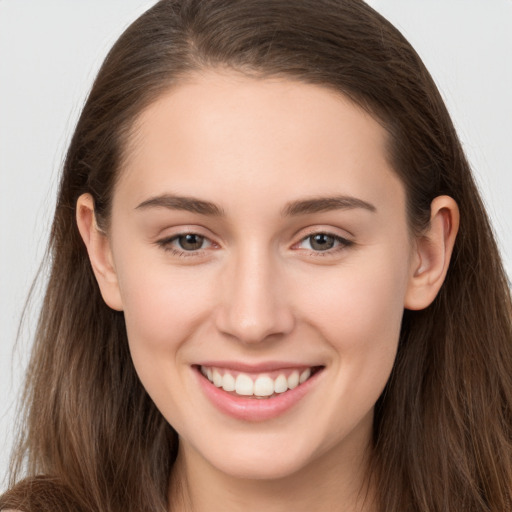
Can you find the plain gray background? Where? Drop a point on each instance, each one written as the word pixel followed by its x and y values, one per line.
pixel 50 51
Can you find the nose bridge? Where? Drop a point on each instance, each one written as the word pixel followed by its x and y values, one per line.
pixel 254 304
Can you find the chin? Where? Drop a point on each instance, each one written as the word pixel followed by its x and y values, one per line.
pixel 271 468
pixel 261 460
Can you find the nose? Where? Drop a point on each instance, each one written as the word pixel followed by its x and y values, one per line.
pixel 254 305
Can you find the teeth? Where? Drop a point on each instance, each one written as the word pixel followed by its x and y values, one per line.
pixel 281 384
pixel 262 386
pixel 217 378
pixel 228 382
pixel 304 376
pixel 293 380
pixel 244 385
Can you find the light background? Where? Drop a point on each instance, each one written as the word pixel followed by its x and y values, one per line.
pixel 50 51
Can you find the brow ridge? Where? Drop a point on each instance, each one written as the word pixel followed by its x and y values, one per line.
pixel 323 204
pixel 190 204
pixel 293 208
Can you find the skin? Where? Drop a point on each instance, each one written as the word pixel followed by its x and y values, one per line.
pixel 257 290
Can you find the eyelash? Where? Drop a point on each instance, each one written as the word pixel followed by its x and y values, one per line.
pixel 342 243
pixel 166 244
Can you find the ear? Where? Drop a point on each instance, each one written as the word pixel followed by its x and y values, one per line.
pixel 432 254
pixel 100 253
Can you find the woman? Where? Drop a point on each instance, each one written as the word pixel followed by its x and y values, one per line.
pixel 273 282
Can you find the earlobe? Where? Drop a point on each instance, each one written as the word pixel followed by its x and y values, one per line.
pixel 100 254
pixel 432 254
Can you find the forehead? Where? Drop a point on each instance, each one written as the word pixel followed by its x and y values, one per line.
pixel 221 134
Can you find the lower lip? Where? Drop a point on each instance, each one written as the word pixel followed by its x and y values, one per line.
pixel 254 409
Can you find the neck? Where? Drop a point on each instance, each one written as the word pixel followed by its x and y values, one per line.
pixel 330 482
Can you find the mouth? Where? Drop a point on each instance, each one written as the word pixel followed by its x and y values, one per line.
pixel 258 385
pixel 256 394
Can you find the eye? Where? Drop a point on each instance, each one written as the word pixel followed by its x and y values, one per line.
pixel 322 242
pixel 185 243
pixel 190 241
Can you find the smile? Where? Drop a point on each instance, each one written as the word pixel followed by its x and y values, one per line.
pixel 256 393
pixel 263 385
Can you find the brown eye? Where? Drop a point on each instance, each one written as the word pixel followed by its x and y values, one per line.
pixel 190 242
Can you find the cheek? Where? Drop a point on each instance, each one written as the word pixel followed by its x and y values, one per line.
pixel 163 310
pixel 162 306
pixel 366 301
pixel 358 312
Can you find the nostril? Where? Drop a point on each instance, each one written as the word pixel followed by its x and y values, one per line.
pixel 253 304
pixel 255 324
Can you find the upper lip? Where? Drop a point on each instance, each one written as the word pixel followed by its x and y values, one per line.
pixel 267 366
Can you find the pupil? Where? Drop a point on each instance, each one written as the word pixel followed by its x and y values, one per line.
pixel 191 242
pixel 322 242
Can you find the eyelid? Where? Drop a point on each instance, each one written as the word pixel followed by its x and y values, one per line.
pixel 343 242
pixel 166 243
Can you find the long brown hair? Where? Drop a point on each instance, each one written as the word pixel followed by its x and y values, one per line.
pixel 92 438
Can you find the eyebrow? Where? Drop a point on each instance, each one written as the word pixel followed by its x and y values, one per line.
pixel 324 204
pixel 291 209
pixel 189 204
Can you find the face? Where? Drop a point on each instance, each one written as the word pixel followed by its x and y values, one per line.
pixel 262 256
